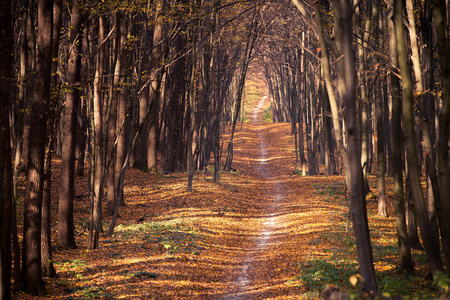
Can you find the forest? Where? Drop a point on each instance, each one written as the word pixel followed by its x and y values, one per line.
pixel 96 93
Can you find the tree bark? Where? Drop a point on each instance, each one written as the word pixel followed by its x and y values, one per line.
pixel 431 245
pixel 48 269
pixel 154 90
pixel 31 261
pixel 192 107
pixel 380 99
pixel 98 149
pixel 112 124
pixel 397 161
pixel 440 22
pixel 66 234
pixel 121 93
pixel 6 47
pixel 364 100
pixel 30 48
pixel 343 19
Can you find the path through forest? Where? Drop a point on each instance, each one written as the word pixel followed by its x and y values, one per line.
pixel 247 237
pixel 280 222
pixel 263 169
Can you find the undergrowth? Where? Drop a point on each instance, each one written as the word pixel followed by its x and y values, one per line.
pixel 336 264
pixel 173 238
pixel 267 117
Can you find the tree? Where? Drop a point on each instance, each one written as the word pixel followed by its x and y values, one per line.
pixel 343 20
pixel 430 244
pixel 54 116
pixel 6 46
pixel 154 89
pixel 253 34
pixel 98 165
pixel 352 153
pixel 397 161
pixel 440 21
pixel 31 261
pixel 66 235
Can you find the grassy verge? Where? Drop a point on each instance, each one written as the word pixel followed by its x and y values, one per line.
pixel 337 262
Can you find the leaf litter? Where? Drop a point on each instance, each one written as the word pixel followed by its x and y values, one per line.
pixel 261 233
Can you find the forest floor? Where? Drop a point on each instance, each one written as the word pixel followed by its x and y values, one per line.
pixel 263 232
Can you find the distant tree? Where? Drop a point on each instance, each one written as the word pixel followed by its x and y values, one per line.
pixel 253 34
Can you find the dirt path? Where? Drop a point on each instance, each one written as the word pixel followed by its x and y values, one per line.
pixel 262 273
pixel 264 242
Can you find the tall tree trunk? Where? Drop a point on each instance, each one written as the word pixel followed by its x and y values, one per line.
pixel 397 161
pixel 154 90
pixel 192 107
pixel 352 155
pixel 121 93
pixel 364 100
pixel 31 261
pixel 98 149
pixel 441 22
pixel 48 269
pixel 430 160
pixel 430 244
pixel 30 70
pixel 380 99
pixel 343 19
pixel 140 152
pixel 428 112
pixel 111 116
pixel 66 235
pixel 301 102
pixel 6 46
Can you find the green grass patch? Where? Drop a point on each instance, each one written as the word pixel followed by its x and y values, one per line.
pixel 170 237
pixel 333 190
pixel 335 260
pixel 267 117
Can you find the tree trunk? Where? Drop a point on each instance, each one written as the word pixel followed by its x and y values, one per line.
pixel 440 21
pixel 31 261
pixel 48 269
pixel 343 19
pixel 352 155
pixel 112 124
pixel 66 235
pixel 430 244
pixel 6 46
pixel 30 49
pixel 364 100
pixel 380 99
pixel 98 149
pixel 397 161
pixel 121 94
pixel 192 107
pixel 154 90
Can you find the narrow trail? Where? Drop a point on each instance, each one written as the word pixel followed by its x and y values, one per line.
pixel 268 238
